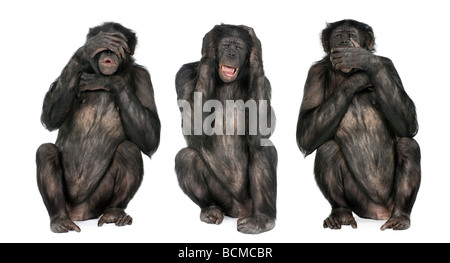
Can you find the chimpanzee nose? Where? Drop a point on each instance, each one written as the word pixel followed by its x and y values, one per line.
pixel 231 53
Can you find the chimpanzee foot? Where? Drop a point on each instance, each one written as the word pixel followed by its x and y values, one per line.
pixel 211 215
pixel 117 216
pixel 339 217
pixel 397 222
pixel 63 225
pixel 255 224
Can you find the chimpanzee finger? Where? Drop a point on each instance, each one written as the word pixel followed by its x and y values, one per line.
pixel 397 226
pixel 67 227
pixel 354 224
pixel 385 226
pixel 325 225
pixel 332 223
pixel 118 34
pixel 75 228
pixel 337 223
pixel 87 76
pixel 102 221
pixel 121 47
pixel 62 229
pixel 129 220
pixel 116 42
pixel 337 50
pixel 336 62
pixel 328 223
pixel 355 44
pixel 119 220
pixel 250 30
pixel 339 66
pixel 116 49
pixel 120 39
pixel 95 52
pixel 122 52
pixel 337 54
pixel 124 220
pixel 401 226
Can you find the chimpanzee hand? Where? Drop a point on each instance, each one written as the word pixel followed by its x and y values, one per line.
pixel 256 51
pixel 357 82
pixel 339 217
pixel 397 222
pixel 63 225
pixel 352 57
pixel 93 82
pixel 255 224
pixel 209 46
pixel 100 82
pixel 116 42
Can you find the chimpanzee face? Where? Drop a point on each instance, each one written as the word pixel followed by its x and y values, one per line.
pixel 345 36
pixel 232 55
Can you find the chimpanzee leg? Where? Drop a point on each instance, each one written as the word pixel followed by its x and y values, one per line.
pixel 407 182
pixel 51 187
pixel 192 174
pixel 120 184
pixel 330 171
pixel 263 189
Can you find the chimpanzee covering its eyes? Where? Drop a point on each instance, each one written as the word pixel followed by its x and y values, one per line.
pixel 223 173
pixel 104 108
pixel 357 115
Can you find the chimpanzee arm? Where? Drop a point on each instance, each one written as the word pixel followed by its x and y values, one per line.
pixel 320 117
pixel 187 83
pixel 260 91
pixel 138 110
pixel 396 105
pixel 60 98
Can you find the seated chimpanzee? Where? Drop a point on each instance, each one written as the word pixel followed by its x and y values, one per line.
pixel 104 108
pixel 357 115
pixel 231 170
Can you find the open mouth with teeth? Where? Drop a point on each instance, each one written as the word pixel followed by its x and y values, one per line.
pixel 228 73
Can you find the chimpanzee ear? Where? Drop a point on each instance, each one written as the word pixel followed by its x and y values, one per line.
pixel 132 41
pixel 369 38
pixel 370 41
pixel 254 46
pixel 326 45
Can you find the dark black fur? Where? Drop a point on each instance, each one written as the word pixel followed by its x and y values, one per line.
pixel 362 124
pixel 228 174
pixel 95 167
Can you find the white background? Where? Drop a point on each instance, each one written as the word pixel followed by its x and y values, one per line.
pixel 39 37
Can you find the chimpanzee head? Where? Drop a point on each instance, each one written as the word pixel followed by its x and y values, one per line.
pixel 107 62
pixel 232 47
pixel 347 33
